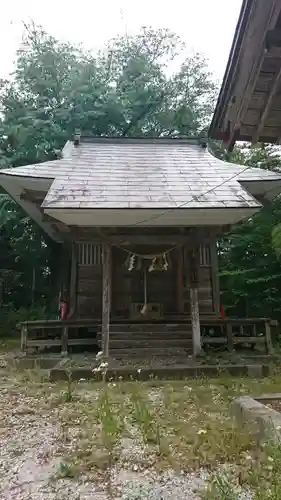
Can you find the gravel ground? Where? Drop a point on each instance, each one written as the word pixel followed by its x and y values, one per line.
pixel 29 463
pixel 165 486
pixel 274 404
pixel 31 454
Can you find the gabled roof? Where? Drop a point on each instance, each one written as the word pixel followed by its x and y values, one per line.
pixel 144 174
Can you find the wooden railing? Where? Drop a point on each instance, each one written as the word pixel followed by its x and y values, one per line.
pixel 232 331
pixel 229 332
pixel 57 333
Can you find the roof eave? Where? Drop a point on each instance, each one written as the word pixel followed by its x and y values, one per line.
pixel 15 190
pixel 215 131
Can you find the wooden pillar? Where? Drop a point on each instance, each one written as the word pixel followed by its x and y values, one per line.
pixel 268 339
pixel 64 341
pixel 180 282
pixel 215 276
pixel 106 296
pixel 73 281
pixel 194 305
pixel 229 335
pixel 23 337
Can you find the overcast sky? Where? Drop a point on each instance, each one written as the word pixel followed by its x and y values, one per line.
pixel 206 26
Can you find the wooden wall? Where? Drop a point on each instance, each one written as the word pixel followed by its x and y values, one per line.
pixel 89 279
pixel 128 286
pixel 206 290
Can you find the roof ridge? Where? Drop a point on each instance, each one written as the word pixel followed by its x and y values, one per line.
pixel 143 140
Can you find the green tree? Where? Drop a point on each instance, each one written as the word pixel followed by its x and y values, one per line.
pixel 124 90
pixel 250 269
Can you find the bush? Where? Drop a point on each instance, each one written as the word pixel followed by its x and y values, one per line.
pixel 11 317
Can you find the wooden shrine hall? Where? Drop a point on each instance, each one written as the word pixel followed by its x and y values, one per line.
pixel 138 221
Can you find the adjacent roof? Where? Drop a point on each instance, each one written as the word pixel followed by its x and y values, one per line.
pixel 249 103
pixel 142 174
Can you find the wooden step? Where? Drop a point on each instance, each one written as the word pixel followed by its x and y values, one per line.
pixel 167 343
pixel 57 342
pixel 149 353
pixel 149 327
pixel 148 335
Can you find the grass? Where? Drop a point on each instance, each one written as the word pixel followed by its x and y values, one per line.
pixel 66 470
pixel 185 425
pixel 188 421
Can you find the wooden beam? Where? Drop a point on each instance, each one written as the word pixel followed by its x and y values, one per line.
pixel 265 17
pixel 236 340
pixel 273 39
pixel 264 201
pixel 194 305
pixel 154 240
pixel 272 93
pixel 142 239
pixel 241 110
pixel 33 196
pixel 233 137
pixel 106 297
pixel 60 226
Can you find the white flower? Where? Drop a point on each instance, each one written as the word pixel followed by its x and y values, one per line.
pixel 82 380
pixel 270 459
pixel 99 355
pixel 139 370
pixel 103 365
pixel 201 431
pixel 95 370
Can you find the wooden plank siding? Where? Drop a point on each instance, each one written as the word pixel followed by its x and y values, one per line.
pixel 205 281
pixel 128 286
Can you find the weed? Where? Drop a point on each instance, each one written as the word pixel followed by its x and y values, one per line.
pixel 67 469
pixel 163 447
pixel 111 427
pixel 143 417
pixel 184 423
pixel 264 474
pixel 65 438
pixel 111 432
pixel 68 394
pixel 221 487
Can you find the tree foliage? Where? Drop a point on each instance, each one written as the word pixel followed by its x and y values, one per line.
pixel 124 90
pixel 250 269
